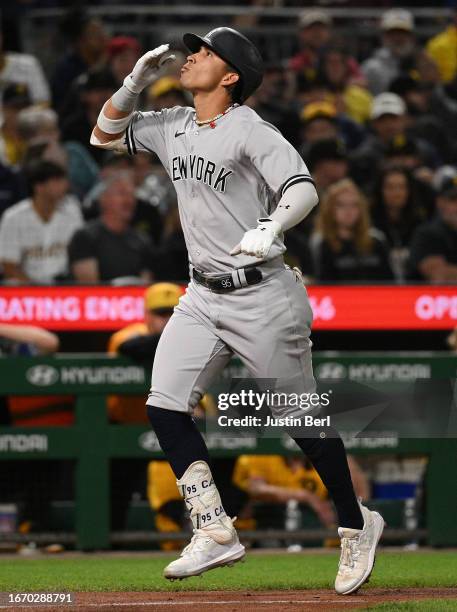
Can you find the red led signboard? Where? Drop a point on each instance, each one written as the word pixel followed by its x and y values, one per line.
pixel 335 307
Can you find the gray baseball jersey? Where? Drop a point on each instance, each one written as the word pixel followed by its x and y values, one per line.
pixel 225 177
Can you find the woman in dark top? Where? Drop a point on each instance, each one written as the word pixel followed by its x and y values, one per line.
pixel 396 211
pixel 345 247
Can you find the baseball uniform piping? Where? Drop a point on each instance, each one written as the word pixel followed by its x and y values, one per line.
pixel 297 178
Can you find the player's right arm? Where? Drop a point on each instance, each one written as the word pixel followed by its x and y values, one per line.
pixel 117 112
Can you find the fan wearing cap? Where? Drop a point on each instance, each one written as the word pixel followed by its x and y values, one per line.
pixel 15 98
pixel 432 113
pixel 139 341
pixel 91 90
pixel 123 54
pixel 86 42
pixel 328 161
pixel 240 186
pixel 321 121
pixel 433 252
pixel 314 35
pixel 24 70
pixel 389 123
pixel 398 47
pixel 166 92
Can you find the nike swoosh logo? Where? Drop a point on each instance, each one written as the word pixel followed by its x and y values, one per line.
pixel 179 134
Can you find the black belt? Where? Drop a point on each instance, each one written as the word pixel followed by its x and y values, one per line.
pixel 229 282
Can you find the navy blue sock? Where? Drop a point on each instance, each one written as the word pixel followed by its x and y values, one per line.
pixel 178 437
pixel 328 457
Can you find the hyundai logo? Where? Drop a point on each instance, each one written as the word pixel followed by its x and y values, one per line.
pixel 331 370
pixel 148 441
pixel 42 375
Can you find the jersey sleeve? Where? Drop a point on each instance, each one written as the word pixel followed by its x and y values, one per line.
pixel 148 131
pixel 275 158
pixel 10 243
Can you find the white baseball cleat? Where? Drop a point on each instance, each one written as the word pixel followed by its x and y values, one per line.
pixel 358 552
pixel 215 541
pixel 213 546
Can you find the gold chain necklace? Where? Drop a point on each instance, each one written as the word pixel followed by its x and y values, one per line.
pixel 212 122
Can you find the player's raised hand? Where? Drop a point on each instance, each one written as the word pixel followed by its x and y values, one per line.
pixel 144 71
pixel 258 241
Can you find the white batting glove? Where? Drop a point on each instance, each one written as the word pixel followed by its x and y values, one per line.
pixel 258 241
pixel 144 71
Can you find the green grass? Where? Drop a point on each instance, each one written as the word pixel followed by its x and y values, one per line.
pixel 277 571
pixel 424 605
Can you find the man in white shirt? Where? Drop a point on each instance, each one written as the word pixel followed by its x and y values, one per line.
pixel 24 69
pixel 34 233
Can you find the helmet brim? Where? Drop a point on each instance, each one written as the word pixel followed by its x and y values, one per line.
pixel 194 43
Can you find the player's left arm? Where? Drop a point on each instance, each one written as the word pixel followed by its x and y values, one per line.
pixel 286 173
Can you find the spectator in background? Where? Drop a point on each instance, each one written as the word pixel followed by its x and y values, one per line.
pixel 328 163
pixel 166 502
pixel 432 114
pixel 271 102
pixel 139 341
pixel 406 152
pixel 389 122
pixel 345 247
pixel 88 41
pixel 13 187
pixel 433 251
pixel 93 89
pixel 277 479
pixel 166 92
pixel 396 211
pixel 108 248
pixel 334 69
pixel 171 257
pixel 442 48
pixel 34 233
pixel 397 51
pixel 24 70
pixel 153 191
pixel 316 31
pixel 26 340
pixel 39 131
pixel 311 90
pixel 15 98
pixel 123 53
pixel 321 121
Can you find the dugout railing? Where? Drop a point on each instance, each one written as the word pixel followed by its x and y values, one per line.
pixel 92 441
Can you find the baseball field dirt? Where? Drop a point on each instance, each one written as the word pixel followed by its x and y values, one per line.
pixel 247 601
pixel 271 581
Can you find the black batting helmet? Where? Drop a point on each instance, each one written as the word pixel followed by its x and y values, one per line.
pixel 235 49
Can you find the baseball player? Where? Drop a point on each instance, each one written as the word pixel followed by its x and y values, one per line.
pixel 240 185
